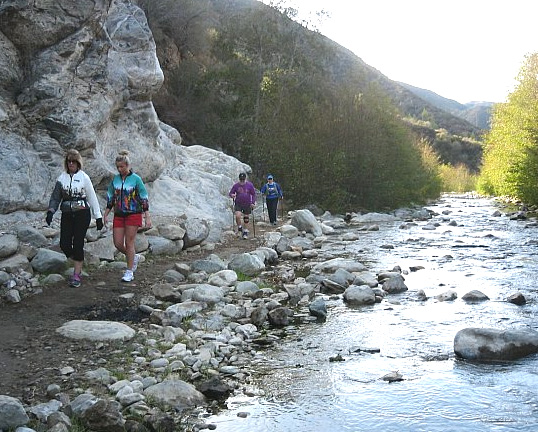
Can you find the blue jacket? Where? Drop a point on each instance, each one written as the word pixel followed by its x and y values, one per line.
pixel 271 191
pixel 127 196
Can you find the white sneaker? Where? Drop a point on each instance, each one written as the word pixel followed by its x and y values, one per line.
pixel 136 261
pixel 128 276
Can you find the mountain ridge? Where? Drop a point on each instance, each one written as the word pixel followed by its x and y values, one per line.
pixel 478 113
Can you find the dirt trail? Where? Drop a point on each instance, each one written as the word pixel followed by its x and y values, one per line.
pixel 32 353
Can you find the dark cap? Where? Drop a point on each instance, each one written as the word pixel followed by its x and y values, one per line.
pixel 269 177
pixel 242 176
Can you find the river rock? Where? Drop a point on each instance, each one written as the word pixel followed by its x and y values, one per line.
pixel 517 299
pixel 475 296
pixel 223 278
pixel 334 264
pixel 246 263
pixel 395 285
pixel 304 220
pixel 196 231
pixel 209 294
pixel 96 330
pixel 359 295
pixel 47 261
pixel 9 243
pixel 489 344
pixel 175 393
pixel 212 264
pixel 12 413
pixel 318 308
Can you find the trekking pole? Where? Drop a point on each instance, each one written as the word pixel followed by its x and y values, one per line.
pixel 233 214
pixel 263 208
pixel 282 207
pixel 253 224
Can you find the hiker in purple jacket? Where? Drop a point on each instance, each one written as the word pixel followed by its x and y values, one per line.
pixel 244 196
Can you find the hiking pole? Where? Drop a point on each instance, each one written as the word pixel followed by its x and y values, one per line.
pixel 263 208
pixel 253 224
pixel 282 208
pixel 233 214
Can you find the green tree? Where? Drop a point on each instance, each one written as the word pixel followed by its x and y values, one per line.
pixel 510 165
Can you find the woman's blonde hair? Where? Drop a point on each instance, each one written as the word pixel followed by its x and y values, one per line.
pixel 123 156
pixel 72 154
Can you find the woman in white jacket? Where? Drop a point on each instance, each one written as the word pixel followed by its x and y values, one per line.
pixel 75 196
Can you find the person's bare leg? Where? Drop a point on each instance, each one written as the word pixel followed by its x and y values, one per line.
pixel 118 235
pixel 77 266
pixel 130 237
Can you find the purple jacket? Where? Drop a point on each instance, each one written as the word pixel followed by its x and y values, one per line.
pixel 245 194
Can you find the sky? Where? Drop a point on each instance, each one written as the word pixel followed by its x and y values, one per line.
pixel 465 50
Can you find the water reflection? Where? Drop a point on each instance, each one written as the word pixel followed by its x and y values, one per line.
pixel 305 391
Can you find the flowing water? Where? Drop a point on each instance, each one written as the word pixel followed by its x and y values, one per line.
pixel 304 391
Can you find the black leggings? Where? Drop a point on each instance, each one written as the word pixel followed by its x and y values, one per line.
pixel 272 204
pixel 73 227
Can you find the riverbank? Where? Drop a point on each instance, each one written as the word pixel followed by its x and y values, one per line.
pixel 34 356
pixel 223 349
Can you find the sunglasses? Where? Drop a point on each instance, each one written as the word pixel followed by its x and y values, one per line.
pixel 71 161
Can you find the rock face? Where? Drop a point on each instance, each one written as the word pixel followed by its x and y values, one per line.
pixel 81 74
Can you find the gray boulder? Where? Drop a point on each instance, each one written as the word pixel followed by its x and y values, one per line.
pixel 359 295
pixel 9 243
pixel 395 285
pixel 176 394
pixel 12 413
pixel 489 344
pixel 246 263
pixel 304 220
pixel 48 261
pixel 196 231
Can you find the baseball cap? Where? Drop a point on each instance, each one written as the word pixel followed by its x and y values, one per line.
pixel 242 176
pixel 269 176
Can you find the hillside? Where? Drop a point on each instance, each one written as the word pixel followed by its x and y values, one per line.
pixel 476 113
pixel 197 64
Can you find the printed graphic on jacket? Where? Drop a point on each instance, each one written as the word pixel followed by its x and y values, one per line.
pixel 127 196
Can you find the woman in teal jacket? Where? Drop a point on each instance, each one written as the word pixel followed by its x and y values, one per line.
pixel 128 198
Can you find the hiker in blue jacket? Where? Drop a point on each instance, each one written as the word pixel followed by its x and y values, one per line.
pixel 273 193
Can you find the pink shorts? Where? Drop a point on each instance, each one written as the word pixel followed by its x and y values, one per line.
pixel 129 220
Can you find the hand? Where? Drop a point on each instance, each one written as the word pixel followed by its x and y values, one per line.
pixel 147 221
pixel 48 219
pixel 99 223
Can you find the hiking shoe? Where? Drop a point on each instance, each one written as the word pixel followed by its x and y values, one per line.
pixel 75 280
pixel 136 261
pixel 128 276
pixel 245 234
pixel 274 223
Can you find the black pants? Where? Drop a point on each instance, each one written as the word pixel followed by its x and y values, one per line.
pixel 272 204
pixel 73 227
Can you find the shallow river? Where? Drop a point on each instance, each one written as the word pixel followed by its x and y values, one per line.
pixel 304 391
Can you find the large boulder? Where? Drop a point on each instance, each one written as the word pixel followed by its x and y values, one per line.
pixel 304 220
pixel 489 344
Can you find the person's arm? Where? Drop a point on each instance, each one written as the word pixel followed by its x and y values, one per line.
pixel 92 197
pixel 233 191
pixel 144 200
pixel 56 197
pixel 109 201
pixel 279 189
pixel 54 202
pixel 252 195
